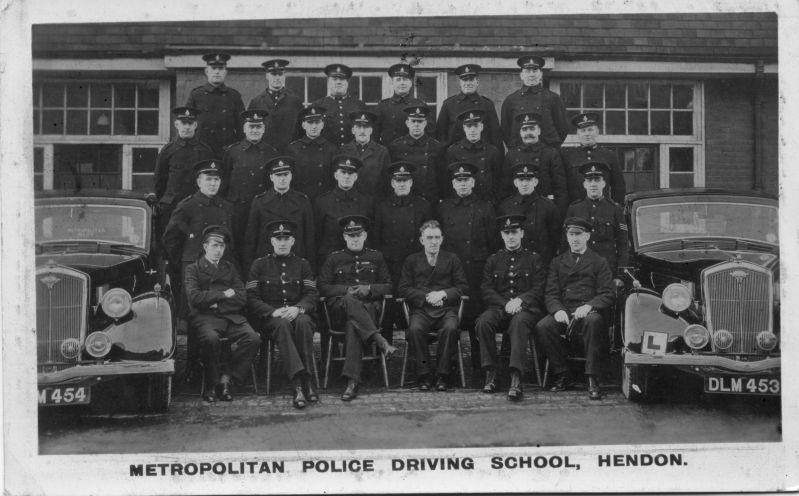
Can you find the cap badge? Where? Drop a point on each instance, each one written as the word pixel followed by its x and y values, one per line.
pixel 585 118
pixel 461 170
pixel 281 228
pixel 471 115
pixel 526 118
pixel 212 165
pixel 363 117
pixel 280 163
pixel 467 69
pixel 347 162
pixel 402 168
pixel 256 116
pixel 352 224
pixel 507 222
pixel 593 168
pixel 188 113
pixel 339 69
pixel 525 169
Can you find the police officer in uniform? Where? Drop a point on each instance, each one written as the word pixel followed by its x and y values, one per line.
pixel 220 106
pixel 551 175
pixel 390 111
pixel 374 156
pixel 355 280
pixel 244 172
pixel 513 292
pixel 217 301
pixel 174 167
pixel 474 149
pixel 609 229
pixel 432 283
pixel 282 298
pixel 343 199
pixel 587 125
pixel 533 97
pixel 423 151
pixel 283 106
pixel 313 155
pixel 448 128
pixel 542 220
pixel 339 104
pixel 579 288
pixel 280 202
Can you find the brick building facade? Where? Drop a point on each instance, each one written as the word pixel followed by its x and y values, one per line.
pixel 686 99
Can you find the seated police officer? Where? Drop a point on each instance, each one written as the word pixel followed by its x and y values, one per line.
pixel 217 299
pixel 432 283
pixel 281 292
pixel 579 287
pixel 512 287
pixel 355 279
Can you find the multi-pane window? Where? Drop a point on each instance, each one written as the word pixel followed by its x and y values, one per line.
pixel 84 108
pixel 312 88
pixel 634 108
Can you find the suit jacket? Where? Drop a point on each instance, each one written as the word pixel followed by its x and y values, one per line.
pixel 572 284
pixel 419 278
pixel 205 285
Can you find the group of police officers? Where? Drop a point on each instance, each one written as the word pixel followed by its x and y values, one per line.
pixel 335 200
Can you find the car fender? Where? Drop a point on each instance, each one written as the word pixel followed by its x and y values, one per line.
pixel 148 334
pixel 642 312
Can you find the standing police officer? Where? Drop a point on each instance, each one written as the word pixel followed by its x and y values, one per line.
pixel 355 280
pixel 390 114
pixel 339 104
pixel 244 173
pixel 283 106
pixel 423 151
pixel 474 149
pixel 449 129
pixel 587 125
pixel 220 106
pixel 374 156
pixel 312 155
pixel 280 202
pixel 533 97
pixel 513 290
pixel 609 229
pixel 281 298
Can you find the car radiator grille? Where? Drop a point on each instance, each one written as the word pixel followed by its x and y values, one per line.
pixel 61 313
pixel 738 297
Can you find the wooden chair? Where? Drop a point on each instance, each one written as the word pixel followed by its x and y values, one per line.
pixel 225 344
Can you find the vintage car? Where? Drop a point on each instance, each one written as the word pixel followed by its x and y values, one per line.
pixel 104 325
pixel 704 292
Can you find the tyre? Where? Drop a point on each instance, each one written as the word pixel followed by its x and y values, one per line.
pixel 159 393
pixel 634 381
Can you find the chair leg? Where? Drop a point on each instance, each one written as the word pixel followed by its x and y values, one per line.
pixel 404 363
pixel 327 362
pixel 269 348
pixel 546 373
pixel 316 372
pixel 535 361
pixel 254 379
pixel 460 364
pixel 385 369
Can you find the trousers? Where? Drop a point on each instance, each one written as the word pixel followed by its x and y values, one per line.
pixel 447 333
pixel 518 328
pixel 358 319
pixel 592 329
pixel 244 345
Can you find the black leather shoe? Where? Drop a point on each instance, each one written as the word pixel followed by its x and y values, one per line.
pixel 299 398
pixel 594 391
pixel 223 391
pixel 424 383
pixel 515 390
pixel 490 385
pixel 441 383
pixel 561 383
pixel 351 392
pixel 311 393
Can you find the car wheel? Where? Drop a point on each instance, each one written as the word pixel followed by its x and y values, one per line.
pixel 634 381
pixel 159 393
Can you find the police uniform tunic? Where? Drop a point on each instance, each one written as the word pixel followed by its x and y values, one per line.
pixel 183 237
pixel 542 224
pixel 174 174
pixel 419 278
pixel 338 126
pixel 449 129
pixel 271 206
pixel 219 123
pixel 575 156
pixel 331 206
pixel 609 236
pixel 488 160
pixel 509 275
pixel 396 229
pixel 572 281
pixel 285 281
pixel 551 176
pixel 391 118
pixel 313 169
pixel 282 122
pixel 537 99
pixel 373 176
pixel 427 155
pixel 213 315
pixel 357 316
pixel 244 176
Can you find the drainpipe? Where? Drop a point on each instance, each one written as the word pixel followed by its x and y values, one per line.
pixel 757 177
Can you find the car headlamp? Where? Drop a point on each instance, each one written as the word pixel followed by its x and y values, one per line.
pixel 696 336
pixel 722 339
pixel 116 303
pixel 766 340
pixel 677 297
pixel 98 344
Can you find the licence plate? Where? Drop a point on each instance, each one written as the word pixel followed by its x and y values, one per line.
pixel 741 384
pixel 53 396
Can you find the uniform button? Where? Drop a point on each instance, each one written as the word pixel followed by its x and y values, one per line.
pixel 284 265
pixel 283 274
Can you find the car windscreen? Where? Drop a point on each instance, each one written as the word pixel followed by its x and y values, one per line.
pixel 687 219
pixel 113 224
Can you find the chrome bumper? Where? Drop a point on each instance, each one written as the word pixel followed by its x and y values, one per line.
pixel 632 358
pixel 105 371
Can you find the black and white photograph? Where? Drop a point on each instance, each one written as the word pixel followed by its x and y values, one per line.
pixel 358 248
